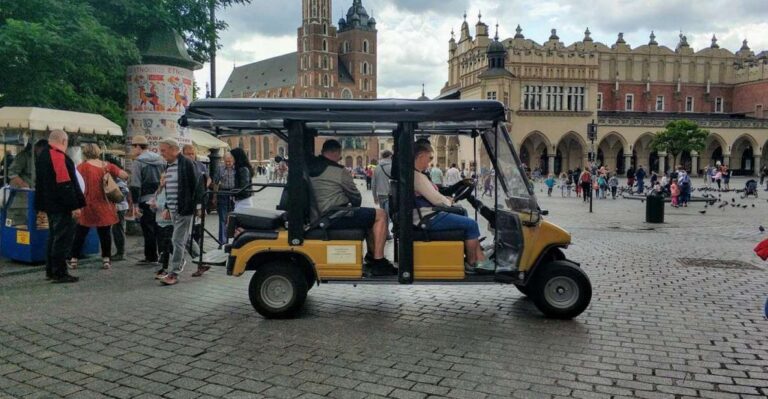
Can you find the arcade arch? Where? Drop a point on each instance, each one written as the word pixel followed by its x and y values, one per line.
pixel 570 152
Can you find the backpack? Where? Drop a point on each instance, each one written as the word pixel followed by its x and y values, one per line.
pixel 150 177
pixel 586 178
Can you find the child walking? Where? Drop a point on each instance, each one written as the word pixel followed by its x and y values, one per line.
pixel 564 186
pixel 550 182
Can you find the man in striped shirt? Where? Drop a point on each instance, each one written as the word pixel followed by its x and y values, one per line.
pixel 184 192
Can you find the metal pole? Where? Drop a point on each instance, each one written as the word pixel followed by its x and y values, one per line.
pixel 213 48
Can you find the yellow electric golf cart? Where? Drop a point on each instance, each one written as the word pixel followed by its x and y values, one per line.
pixel 289 252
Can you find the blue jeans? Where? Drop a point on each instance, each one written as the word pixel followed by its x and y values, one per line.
pixel 224 205
pixel 449 221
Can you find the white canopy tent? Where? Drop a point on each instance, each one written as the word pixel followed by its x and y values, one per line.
pixel 45 119
pixel 204 141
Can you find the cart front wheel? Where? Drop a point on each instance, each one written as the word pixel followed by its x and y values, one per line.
pixel 278 290
pixel 524 289
pixel 561 290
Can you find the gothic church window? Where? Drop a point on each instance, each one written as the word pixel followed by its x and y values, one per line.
pixel 365 46
pixel 325 45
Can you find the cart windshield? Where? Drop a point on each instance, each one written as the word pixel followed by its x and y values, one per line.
pixel 511 179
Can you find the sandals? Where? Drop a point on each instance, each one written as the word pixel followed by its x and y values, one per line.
pixel 106 264
pixel 72 264
pixel 200 271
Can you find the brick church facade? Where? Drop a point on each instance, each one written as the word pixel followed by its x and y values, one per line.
pixel 334 62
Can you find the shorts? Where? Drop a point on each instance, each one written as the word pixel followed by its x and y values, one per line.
pixel 449 221
pixel 354 218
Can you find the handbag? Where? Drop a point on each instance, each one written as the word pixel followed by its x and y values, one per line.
pixel 111 189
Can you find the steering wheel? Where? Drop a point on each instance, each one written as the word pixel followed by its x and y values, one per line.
pixel 462 190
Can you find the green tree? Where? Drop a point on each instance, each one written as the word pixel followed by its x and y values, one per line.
pixel 137 19
pixel 73 54
pixel 56 54
pixel 678 137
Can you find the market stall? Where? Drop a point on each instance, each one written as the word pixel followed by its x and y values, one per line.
pixel 23 234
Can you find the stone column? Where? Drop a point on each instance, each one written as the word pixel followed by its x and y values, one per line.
pixel 757 166
pixel 627 162
pixel 694 163
pixel 662 163
pixel 584 161
pixel 551 163
pixel 727 160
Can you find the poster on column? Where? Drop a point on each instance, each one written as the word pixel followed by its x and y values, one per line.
pixel 157 97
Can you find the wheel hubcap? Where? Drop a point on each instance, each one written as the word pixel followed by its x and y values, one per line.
pixel 561 292
pixel 276 291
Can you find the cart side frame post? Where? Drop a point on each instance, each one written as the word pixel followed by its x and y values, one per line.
pixel 404 137
pixel 296 187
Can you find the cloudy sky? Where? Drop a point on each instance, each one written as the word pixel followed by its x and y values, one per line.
pixel 413 34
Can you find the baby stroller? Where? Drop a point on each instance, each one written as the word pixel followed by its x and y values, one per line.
pixel 750 188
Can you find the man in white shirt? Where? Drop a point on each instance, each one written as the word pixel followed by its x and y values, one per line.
pixel 452 176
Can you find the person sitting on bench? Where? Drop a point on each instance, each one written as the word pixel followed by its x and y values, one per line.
pixel 427 196
pixel 334 187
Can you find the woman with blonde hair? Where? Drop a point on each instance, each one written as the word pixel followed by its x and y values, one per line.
pixel 99 212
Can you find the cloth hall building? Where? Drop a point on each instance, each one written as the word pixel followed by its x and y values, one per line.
pixel 554 91
pixel 329 62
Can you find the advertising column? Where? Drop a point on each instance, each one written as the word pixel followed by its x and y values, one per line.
pixel 159 90
pixel 157 97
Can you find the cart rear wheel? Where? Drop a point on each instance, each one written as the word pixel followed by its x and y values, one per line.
pixel 561 290
pixel 278 290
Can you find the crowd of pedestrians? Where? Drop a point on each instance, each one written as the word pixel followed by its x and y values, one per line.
pixel 164 191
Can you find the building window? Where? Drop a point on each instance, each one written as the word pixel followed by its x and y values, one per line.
pixel 365 68
pixel 325 62
pixel 345 47
pixel 660 103
pixel 365 46
pixel 325 29
pixel 491 95
pixel 325 45
pixel 366 85
pixel 689 104
pixel 718 104
pixel 304 45
pixel 346 94
pixel 599 101
pixel 629 102
pixel 325 80
pixel 554 98
pixel 303 63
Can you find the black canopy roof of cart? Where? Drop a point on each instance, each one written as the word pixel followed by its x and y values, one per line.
pixel 340 117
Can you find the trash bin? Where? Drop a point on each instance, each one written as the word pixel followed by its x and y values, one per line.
pixel 654 209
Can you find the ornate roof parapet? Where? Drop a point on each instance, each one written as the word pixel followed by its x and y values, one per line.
pixel 464 35
pixel 714 42
pixel 519 32
pixel 745 51
pixel 653 41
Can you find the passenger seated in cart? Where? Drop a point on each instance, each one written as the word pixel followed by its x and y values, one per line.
pixel 427 197
pixel 333 188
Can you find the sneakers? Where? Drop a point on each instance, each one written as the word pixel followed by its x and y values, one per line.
pixel 381 267
pixel 160 274
pixel 169 279
pixel 64 279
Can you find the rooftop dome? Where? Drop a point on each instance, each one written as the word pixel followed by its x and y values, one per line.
pixel 358 18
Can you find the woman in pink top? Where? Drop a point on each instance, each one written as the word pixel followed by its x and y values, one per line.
pixel 99 212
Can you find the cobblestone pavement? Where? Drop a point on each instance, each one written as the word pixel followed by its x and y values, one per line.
pixel 657 327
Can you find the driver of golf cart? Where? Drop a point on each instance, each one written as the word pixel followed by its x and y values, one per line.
pixel 334 190
pixel 433 211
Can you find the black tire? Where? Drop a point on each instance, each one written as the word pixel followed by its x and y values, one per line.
pixel 278 290
pixel 560 289
pixel 524 289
